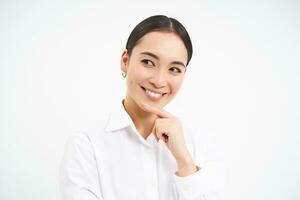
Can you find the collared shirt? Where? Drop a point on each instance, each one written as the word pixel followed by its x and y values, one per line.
pixel 114 162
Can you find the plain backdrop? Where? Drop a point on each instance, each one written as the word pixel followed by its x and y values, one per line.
pixel 60 71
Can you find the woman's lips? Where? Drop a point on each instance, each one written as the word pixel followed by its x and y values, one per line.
pixel 152 95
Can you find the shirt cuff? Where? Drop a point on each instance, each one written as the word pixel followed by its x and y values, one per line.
pixel 191 186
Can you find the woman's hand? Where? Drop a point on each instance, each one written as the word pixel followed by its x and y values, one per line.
pixel 168 128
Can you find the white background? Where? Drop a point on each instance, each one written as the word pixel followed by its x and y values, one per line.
pixel 59 69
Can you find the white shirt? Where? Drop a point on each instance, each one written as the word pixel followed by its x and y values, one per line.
pixel 114 162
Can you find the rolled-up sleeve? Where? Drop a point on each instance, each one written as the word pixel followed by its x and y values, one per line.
pixel 78 171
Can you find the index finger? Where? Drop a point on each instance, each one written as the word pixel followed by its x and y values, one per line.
pixel 159 112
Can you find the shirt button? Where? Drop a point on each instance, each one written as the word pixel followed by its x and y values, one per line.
pixel 186 188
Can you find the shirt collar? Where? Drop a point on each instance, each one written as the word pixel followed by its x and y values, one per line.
pixel 118 118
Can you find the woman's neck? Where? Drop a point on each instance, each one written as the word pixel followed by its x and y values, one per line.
pixel 143 121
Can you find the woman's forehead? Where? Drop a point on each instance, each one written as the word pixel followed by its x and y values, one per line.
pixel 158 37
pixel 162 44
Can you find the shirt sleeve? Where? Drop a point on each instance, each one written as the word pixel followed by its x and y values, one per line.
pixel 208 182
pixel 78 171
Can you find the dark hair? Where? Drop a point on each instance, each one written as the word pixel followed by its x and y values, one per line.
pixel 159 23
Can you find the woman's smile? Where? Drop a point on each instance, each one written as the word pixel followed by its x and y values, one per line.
pixel 153 95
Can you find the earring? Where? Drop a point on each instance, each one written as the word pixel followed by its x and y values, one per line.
pixel 124 74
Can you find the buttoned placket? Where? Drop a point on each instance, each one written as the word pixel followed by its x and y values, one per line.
pixel 149 158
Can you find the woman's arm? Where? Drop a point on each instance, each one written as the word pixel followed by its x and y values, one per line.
pixel 199 173
pixel 208 182
pixel 79 177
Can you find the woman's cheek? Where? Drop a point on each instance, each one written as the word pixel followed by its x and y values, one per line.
pixel 175 87
pixel 141 74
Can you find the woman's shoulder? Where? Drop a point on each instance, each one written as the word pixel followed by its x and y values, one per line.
pixel 193 132
pixel 94 127
pixel 201 142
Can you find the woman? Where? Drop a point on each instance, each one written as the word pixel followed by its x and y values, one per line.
pixel 142 151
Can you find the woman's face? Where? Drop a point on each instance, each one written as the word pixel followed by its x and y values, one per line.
pixel 155 69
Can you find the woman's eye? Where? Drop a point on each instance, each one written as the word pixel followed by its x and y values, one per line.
pixel 147 62
pixel 175 70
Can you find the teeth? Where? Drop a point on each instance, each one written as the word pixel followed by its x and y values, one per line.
pixel 153 94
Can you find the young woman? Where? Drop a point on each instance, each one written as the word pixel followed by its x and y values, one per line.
pixel 141 151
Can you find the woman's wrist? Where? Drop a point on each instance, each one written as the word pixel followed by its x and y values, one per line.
pixel 186 167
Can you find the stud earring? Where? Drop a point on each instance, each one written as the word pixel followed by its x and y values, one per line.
pixel 124 74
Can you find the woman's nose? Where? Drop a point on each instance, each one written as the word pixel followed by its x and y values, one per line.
pixel 159 80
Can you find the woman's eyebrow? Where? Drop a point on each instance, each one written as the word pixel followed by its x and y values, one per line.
pixel 150 54
pixel 156 57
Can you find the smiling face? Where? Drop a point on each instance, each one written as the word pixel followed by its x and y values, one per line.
pixel 155 69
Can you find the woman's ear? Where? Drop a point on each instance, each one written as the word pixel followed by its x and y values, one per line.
pixel 124 61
